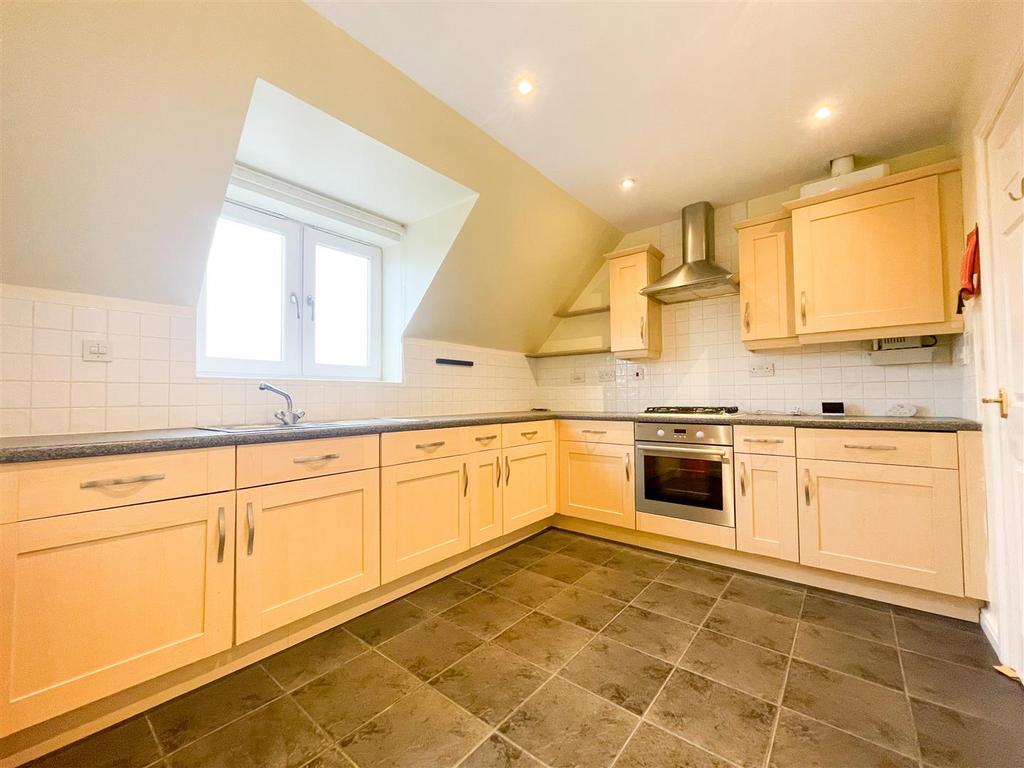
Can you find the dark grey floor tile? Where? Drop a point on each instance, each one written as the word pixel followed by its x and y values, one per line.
pixel 351 695
pixel 299 664
pixel 847 617
pixel 521 555
pixel 561 567
pixel 277 736
pixel 552 539
pixel 872 661
pixel 583 608
pixel 983 693
pixel 652 633
pixel 804 743
pixel 742 665
pixel 127 745
pixel 186 718
pixel 546 641
pixel 951 739
pixel 528 588
pixel 591 550
pixel 843 597
pixel 681 604
pixel 617 584
pixel 943 642
pixel 722 720
pixel 753 625
pixel 934 618
pixel 764 595
pixel 873 712
pixel 490 682
pixel 485 615
pixel 385 622
pixel 652 747
pixel 618 673
pixel 496 752
pixel 486 572
pixel 424 730
pixel 442 595
pixel 696 579
pixel 429 647
pixel 568 727
pixel 647 565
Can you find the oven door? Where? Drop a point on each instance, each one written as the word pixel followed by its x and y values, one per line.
pixel 686 482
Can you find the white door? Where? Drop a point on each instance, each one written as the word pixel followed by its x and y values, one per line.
pixel 1001 150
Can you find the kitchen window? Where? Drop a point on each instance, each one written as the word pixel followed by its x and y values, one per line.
pixel 284 298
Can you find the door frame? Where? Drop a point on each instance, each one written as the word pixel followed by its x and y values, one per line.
pixel 1006 583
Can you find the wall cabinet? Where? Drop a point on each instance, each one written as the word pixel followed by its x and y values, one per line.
pixel 530 490
pixel 766 275
pixel 766 506
pixel 305 546
pixel 893 523
pixel 595 482
pixel 485 496
pixel 93 603
pixel 635 319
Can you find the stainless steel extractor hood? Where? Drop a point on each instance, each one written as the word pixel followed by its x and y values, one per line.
pixel 699 277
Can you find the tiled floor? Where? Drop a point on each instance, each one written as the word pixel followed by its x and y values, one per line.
pixel 569 651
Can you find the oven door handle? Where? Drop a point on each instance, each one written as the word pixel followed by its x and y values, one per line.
pixel 708 453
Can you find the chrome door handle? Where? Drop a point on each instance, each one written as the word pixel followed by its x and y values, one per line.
pixel 250 518
pixel 122 481
pixel 746 316
pixel 497 467
pixel 293 299
pixel 485 438
pixel 311 303
pixel 508 472
pixel 425 446
pixel 222 534
pixel 743 478
pixel 807 487
pixel 594 431
pixel 1003 400
pixel 803 307
pixel 627 467
pixel 770 440
pixel 641 330
pixel 869 447
pixel 655 449
pixel 529 434
pixel 465 479
pixel 1018 198
pixel 314 459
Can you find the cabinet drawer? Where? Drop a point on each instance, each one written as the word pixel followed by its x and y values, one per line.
pixel 586 431
pixel 404 447
pixel 527 432
pixel 915 449
pixel 773 441
pixel 484 437
pixel 48 488
pixel 299 459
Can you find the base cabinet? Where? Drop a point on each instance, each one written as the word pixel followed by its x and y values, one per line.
pixel 485 497
pixel 95 602
pixel 892 523
pixel 305 546
pixel 766 506
pixel 595 482
pixel 529 491
pixel 424 514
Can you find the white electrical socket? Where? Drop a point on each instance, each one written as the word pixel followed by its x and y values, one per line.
pixel 578 377
pixel 638 374
pixel 97 350
pixel 606 375
pixel 758 371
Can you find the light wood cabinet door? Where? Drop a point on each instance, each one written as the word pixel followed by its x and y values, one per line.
pixel 891 523
pixel 635 319
pixel 93 603
pixel 766 507
pixel 424 514
pixel 485 497
pixel 529 489
pixel 595 482
pixel 766 274
pixel 869 260
pixel 304 546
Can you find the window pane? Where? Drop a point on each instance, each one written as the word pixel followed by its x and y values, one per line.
pixel 342 296
pixel 244 286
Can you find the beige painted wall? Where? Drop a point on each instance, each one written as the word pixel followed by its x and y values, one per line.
pixel 119 127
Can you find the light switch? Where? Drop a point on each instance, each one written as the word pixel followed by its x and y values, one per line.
pixel 96 350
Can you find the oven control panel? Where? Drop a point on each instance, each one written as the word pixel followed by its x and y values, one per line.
pixel 693 434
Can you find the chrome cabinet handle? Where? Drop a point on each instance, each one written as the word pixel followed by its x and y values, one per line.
pixel 222 534
pixel 594 431
pixel 508 471
pixel 293 299
pixel 869 447
pixel 250 518
pixel 485 438
pixel 465 479
pixel 122 481
pixel 314 459
pixel 425 446
pixel 1018 198
pixel 627 467
pixel 807 487
pixel 770 440
pixel 529 434
pixel 311 303
pixel 642 330
pixel 746 316
pixel 497 467
pixel 803 307
pixel 743 478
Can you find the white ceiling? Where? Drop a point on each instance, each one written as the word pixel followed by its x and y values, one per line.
pixel 696 100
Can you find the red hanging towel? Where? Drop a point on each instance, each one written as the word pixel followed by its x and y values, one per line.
pixel 970 271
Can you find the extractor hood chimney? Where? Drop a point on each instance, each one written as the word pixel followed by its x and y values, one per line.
pixel 699 277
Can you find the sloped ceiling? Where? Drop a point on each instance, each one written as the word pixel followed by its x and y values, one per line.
pixel 120 126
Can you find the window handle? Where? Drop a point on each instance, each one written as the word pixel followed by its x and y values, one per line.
pixel 311 303
pixel 293 299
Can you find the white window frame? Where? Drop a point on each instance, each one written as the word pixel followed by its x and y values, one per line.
pixel 296 316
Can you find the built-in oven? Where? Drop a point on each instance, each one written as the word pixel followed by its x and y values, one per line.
pixel 685 471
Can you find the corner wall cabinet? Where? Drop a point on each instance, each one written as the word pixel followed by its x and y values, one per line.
pixel 635 318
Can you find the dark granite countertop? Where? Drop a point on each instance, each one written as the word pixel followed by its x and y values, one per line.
pixel 47 447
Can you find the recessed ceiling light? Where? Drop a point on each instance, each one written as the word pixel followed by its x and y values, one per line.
pixel 524 86
pixel 627 183
pixel 823 113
